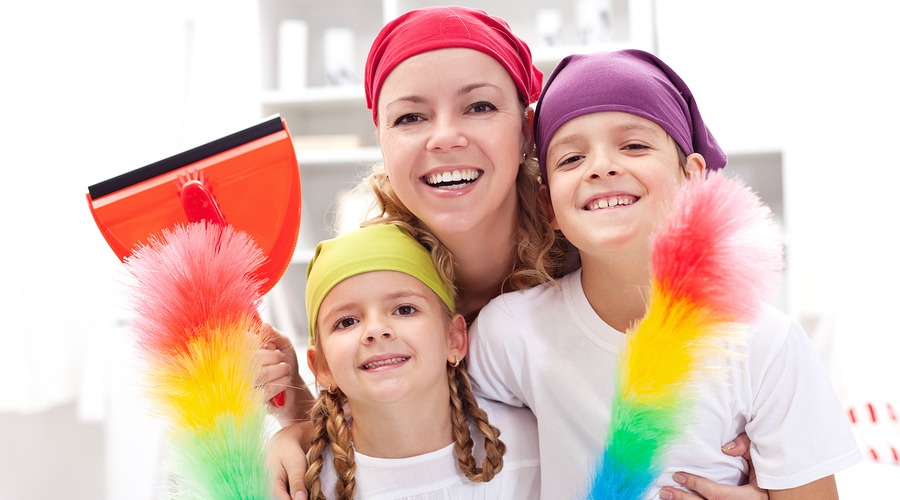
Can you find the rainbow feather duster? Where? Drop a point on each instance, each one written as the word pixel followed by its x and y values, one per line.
pixel 195 298
pixel 714 261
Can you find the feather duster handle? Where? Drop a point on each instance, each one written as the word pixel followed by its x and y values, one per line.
pixel 714 261
pixel 195 298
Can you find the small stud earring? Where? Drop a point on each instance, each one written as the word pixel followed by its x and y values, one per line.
pixel 456 364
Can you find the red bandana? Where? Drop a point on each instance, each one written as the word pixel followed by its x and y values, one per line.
pixel 433 28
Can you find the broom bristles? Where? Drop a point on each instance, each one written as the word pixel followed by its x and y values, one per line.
pixel 195 298
pixel 715 260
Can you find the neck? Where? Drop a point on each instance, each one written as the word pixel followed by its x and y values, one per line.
pixel 402 430
pixel 483 259
pixel 617 290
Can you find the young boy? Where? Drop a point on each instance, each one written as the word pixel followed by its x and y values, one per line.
pixel 617 134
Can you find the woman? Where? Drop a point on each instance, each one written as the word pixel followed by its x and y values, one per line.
pixel 449 89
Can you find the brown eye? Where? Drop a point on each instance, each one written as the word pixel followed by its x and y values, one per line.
pixel 345 323
pixel 407 119
pixel 405 310
pixel 482 107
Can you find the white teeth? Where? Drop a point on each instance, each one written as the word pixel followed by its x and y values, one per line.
pixel 466 175
pixel 612 201
pixel 384 362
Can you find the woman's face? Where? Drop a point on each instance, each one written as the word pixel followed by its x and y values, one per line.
pixel 452 133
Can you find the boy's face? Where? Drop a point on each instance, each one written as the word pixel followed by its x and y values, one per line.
pixel 612 177
pixel 385 337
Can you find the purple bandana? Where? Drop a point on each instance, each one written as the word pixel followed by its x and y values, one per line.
pixel 630 81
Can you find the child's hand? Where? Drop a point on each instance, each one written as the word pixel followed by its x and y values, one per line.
pixel 287 462
pixel 278 375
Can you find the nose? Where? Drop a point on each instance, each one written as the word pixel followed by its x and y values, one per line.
pixel 447 133
pixel 602 166
pixel 377 331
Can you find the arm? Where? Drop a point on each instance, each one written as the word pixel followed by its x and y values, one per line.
pixel 279 372
pixel 823 489
pixel 286 460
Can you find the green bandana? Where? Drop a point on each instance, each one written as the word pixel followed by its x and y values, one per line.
pixel 382 247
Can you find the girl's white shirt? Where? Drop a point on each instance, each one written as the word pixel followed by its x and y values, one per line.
pixel 436 475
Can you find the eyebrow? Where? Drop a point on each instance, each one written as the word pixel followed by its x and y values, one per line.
pixel 618 129
pixel 393 296
pixel 467 89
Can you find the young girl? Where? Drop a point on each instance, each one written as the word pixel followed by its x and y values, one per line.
pixel 387 343
pixel 617 134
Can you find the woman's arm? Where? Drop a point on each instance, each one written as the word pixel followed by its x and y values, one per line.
pixel 279 373
pixel 286 460
pixel 706 489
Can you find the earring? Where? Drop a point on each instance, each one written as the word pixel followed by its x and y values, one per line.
pixel 330 390
pixel 456 364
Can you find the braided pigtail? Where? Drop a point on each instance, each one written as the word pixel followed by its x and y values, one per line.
pixel 319 416
pixel 330 428
pixel 341 446
pixel 464 408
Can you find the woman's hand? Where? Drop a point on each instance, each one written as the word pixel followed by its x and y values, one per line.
pixel 286 460
pixel 705 489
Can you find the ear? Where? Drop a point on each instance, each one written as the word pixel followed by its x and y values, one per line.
pixel 528 132
pixel 695 166
pixel 458 337
pixel 319 367
pixel 544 194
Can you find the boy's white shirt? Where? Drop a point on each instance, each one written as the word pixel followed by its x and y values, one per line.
pixel 546 348
pixel 436 475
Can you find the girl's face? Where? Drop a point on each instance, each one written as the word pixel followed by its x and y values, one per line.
pixel 385 337
pixel 612 179
pixel 452 134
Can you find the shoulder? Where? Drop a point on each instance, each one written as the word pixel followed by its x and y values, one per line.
pixel 772 331
pixel 513 304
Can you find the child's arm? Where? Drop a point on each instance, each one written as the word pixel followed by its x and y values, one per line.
pixel 286 460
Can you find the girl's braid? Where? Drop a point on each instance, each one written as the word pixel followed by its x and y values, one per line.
pixel 463 408
pixel 330 428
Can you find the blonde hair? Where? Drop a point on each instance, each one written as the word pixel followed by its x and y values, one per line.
pixel 331 429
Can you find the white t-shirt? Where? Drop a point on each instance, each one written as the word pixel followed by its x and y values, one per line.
pixel 436 476
pixel 546 348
